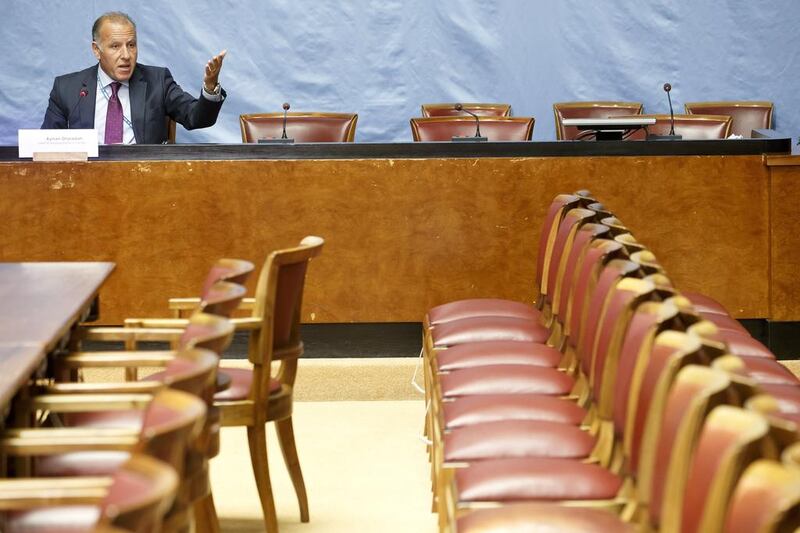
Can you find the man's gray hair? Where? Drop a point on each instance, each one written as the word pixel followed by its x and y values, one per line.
pixel 111 16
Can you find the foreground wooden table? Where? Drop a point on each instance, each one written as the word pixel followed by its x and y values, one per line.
pixel 406 226
pixel 39 303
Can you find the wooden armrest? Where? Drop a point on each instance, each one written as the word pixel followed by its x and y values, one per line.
pixel 135 387
pixel 45 492
pixel 246 323
pixel 61 440
pixel 130 334
pixel 78 403
pixel 157 323
pixel 186 304
pixel 155 358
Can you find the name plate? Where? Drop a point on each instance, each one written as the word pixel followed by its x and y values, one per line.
pixel 58 144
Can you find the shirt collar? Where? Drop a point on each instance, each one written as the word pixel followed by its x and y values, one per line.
pixel 105 79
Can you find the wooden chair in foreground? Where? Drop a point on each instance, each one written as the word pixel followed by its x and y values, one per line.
pixel 747 115
pixel 134 499
pixel 590 109
pixel 302 127
pixel 255 397
pixel 494 128
pixel 449 110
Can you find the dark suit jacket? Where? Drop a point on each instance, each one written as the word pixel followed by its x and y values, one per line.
pixel 154 97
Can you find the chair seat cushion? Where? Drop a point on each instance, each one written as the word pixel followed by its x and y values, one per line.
pixel 482 329
pixel 93 463
pixel 133 418
pixel 241 381
pixel 56 519
pixel 764 370
pixel 470 410
pixel 497 353
pixel 526 479
pixel 542 518
pixel 482 307
pixel 516 438
pixel 505 379
pixel 705 304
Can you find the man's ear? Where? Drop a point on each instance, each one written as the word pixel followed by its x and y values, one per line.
pixel 96 50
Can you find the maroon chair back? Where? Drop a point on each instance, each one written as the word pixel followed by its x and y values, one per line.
pixel 572 222
pixel 302 127
pixel 690 127
pixel 560 205
pixel 566 283
pixel 493 128
pixel 232 270
pixel 449 110
pixel 563 110
pixel 747 115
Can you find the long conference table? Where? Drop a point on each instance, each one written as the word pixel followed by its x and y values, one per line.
pixel 407 225
pixel 39 304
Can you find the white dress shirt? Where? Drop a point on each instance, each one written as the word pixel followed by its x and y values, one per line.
pixel 104 82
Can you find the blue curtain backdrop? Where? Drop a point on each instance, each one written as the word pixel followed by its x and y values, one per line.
pixel 382 58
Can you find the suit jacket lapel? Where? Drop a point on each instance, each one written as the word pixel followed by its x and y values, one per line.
pixel 87 103
pixel 138 92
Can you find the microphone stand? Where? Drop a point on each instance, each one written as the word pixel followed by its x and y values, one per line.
pixel 671 136
pixel 284 139
pixel 477 137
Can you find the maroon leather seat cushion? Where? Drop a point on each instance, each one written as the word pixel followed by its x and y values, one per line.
pixel 505 379
pixel 241 381
pixel 764 370
pixel 470 410
pixel 542 518
pixel 497 353
pixel 95 463
pixel 516 438
pixel 480 307
pixel 480 329
pixel 526 479
pixel 705 304
pixel 106 419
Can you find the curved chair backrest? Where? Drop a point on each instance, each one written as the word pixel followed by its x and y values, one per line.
pixel 212 332
pixel 222 298
pixel 449 110
pixel 493 128
pixel 690 127
pixel 747 115
pixel 140 494
pixel 225 269
pixel 767 498
pixel 591 109
pixel 302 127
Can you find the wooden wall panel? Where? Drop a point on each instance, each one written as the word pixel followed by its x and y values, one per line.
pixel 785 296
pixel 402 235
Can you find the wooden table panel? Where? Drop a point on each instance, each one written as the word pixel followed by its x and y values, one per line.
pixel 402 234
pixel 785 237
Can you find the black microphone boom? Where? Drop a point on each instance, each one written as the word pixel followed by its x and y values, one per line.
pixel 477 137
pixel 81 94
pixel 671 136
pixel 286 107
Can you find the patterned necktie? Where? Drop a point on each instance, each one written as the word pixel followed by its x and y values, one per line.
pixel 114 116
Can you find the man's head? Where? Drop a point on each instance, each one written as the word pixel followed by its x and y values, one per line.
pixel 114 44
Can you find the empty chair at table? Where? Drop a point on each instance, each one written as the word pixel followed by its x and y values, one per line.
pixel 589 109
pixel 746 115
pixel 493 128
pixel 300 126
pixel 449 110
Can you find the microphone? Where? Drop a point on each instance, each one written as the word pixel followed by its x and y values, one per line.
pixel 284 139
pixel 286 107
pixel 671 136
pixel 81 94
pixel 477 137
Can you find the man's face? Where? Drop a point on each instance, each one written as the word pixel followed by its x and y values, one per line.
pixel 116 49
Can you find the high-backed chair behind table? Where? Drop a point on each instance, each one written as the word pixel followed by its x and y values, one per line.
pixel 449 110
pixel 591 109
pixel 747 115
pixel 689 127
pixel 255 397
pixel 494 128
pixel 302 127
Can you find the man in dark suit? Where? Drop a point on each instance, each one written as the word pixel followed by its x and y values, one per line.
pixel 129 103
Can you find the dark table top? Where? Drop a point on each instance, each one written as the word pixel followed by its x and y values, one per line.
pixel 416 150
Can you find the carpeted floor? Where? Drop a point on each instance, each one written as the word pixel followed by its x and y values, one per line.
pixel 364 466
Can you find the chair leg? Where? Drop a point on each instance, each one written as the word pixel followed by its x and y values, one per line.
pixel 286 438
pixel 205 515
pixel 257 439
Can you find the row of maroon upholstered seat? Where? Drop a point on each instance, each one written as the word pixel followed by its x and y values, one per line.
pixel 553 403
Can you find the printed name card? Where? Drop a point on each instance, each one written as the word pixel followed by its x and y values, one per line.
pixel 55 145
